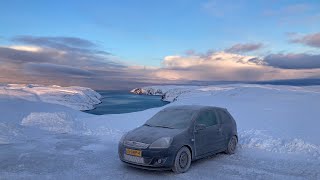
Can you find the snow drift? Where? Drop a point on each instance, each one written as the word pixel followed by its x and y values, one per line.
pixel 59 122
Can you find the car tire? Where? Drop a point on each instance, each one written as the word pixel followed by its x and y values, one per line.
pixel 182 160
pixel 232 145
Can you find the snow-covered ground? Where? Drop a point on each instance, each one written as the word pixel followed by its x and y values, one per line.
pixel 278 135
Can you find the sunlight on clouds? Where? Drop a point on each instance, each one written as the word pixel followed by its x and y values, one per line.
pixel 222 66
pixel 215 59
pixel 26 48
pixel 183 62
pixel 168 74
pixel 37 49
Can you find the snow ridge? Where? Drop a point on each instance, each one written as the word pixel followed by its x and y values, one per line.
pixel 259 140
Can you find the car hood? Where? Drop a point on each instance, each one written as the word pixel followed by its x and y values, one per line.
pixel 147 134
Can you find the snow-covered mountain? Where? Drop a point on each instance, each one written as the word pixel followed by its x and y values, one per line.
pixel 278 135
pixel 167 93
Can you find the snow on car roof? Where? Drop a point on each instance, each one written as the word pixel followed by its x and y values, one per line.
pixel 190 107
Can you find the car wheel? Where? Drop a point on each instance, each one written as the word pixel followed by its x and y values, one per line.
pixel 182 160
pixel 232 145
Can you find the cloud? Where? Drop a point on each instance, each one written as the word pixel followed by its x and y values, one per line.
pixel 213 66
pixel 46 60
pixel 293 61
pixel 312 40
pixel 25 54
pixel 26 48
pixel 55 70
pixel 242 48
pixel 54 41
pixel 223 66
pixel 61 43
pixel 211 58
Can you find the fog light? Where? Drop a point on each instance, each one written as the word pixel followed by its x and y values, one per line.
pixel 159 161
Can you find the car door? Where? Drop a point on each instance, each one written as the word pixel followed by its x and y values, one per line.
pixel 207 133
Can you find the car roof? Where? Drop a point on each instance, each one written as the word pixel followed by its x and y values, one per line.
pixel 191 107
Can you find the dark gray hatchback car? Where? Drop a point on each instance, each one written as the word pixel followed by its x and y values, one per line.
pixel 177 135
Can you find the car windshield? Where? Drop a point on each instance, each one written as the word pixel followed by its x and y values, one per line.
pixel 174 119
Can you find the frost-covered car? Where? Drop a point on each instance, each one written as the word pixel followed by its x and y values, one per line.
pixel 177 135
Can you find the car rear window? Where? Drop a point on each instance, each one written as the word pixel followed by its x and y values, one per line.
pixel 224 117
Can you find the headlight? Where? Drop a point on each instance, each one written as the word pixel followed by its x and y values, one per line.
pixel 122 138
pixel 161 143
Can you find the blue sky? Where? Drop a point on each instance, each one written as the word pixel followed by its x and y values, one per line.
pixel 146 32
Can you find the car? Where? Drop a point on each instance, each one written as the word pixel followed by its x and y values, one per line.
pixel 178 135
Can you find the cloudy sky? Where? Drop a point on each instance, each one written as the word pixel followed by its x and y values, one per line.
pixel 123 44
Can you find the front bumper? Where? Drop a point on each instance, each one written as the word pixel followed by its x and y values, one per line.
pixel 153 159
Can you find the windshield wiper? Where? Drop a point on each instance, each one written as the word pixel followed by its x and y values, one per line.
pixel 163 127
pixel 159 126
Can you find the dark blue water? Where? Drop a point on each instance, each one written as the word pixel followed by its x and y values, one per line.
pixel 116 102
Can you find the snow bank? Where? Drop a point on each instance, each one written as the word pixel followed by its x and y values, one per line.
pixel 78 98
pixel 259 140
pixel 58 122
pixel 8 133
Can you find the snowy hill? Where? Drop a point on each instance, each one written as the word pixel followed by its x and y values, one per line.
pixel 278 135
pixel 78 98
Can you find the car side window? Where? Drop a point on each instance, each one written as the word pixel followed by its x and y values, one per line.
pixel 224 117
pixel 207 118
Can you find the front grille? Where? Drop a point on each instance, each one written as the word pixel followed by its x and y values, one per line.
pixel 136 144
pixel 134 159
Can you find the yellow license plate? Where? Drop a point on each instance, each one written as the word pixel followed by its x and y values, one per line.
pixel 133 152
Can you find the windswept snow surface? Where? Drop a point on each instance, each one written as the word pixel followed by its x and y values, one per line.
pixel 79 98
pixel 278 136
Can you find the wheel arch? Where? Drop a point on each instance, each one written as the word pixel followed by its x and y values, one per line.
pixel 236 135
pixel 190 149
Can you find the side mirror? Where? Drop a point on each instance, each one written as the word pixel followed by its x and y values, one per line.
pixel 200 127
